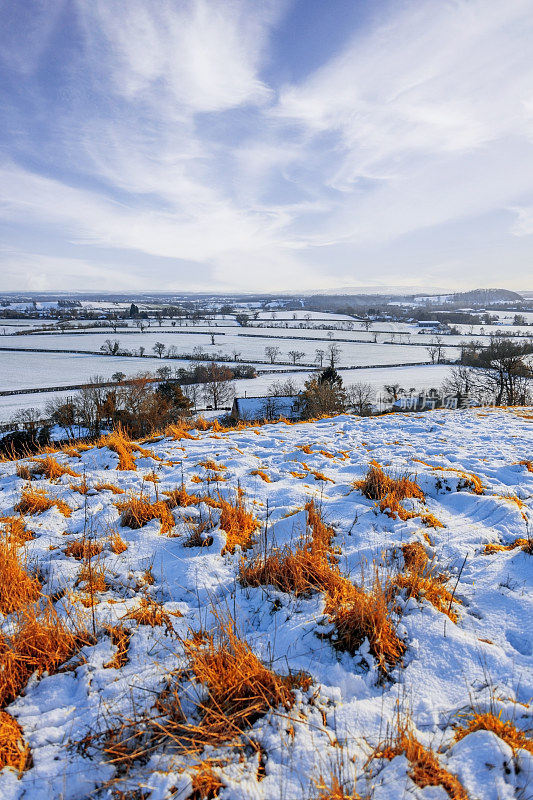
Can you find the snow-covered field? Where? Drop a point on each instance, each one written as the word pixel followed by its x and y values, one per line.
pixel 425 376
pixel 112 698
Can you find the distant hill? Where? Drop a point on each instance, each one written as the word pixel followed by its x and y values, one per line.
pixel 483 297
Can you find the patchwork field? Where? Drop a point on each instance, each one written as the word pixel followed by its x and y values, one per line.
pixel 325 610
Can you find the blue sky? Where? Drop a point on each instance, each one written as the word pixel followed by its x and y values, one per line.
pixel 265 145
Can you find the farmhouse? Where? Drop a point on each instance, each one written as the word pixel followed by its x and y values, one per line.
pixel 259 408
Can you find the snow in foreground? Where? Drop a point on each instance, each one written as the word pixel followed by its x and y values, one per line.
pixel 467 464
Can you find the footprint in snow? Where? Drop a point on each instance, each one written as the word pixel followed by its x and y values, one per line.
pixel 520 642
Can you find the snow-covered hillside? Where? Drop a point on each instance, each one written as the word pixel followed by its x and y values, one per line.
pixel 371 638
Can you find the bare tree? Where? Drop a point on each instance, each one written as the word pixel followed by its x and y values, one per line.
pixel 159 349
pixel 218 387
pixel 141 324
pixel 272 352
pixel 296 355
pixel 432 351
pixel 333 353
pixel 110 347
pixel 212 336
pixel 367 324
pixel 319 356
pixel 235 354
pixel 118 376
pixel 361 397
pixel 284 388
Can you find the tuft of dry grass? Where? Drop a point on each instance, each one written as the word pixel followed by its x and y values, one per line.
pixel 120 638
pixel 41 642
pixel 524 544
pixel 17 588
pixel 138 511
pixel 83 549
pixel 149 612
pixel 515 738
pixel 14 752
pixel 389 492
pixel 528 464
pixel 52 469
pixel 15 530
pixel 238 523
pixel 421 581
pixel 117 544
pixel 36 501
pixel 205 784
pixel 121 444
pixel 181 497
pixel 425 767
pixel 310 566
pixel 179 431
pixel 334 790
pixel 110 487
pixel 239 690
pixel 261 474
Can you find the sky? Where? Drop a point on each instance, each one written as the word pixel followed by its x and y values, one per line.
pixel 265 145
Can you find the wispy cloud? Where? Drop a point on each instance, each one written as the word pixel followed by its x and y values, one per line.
pixel 161 137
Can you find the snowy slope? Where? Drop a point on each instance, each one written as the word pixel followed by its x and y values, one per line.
pixel 482 662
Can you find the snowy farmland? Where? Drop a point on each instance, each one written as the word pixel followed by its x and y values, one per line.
pixel 182 663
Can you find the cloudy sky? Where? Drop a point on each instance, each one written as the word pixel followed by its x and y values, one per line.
pixel 265 144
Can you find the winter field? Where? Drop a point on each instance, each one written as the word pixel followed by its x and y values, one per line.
pixel 359 617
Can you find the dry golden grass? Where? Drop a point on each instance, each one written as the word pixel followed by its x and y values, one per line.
pixel 469 480
pixel 41 642
pixel 92 576
pixel 14 752
pixel 179 431
pixel 239 690
pixel 36 501
pixel 415 556
pixel 421 581
pixel 205 784
pixel 81 488
pixel 121 444
pixel 211 465
pixel 52 469
pixel 17 588
pixel 15 530
pixel 524 544
pixel 110 487
pixel 138 511
pixel 310 566
pixel 117 544
pixel 425 767
pixel 120 638
pixel 238 523
pixel 181 497
pixel 528 464
pixel 516 739
pixel 83 549
pixel 149 612
pixel 261 474
pixel 334 790
pixel 319 476
pixel 389 492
